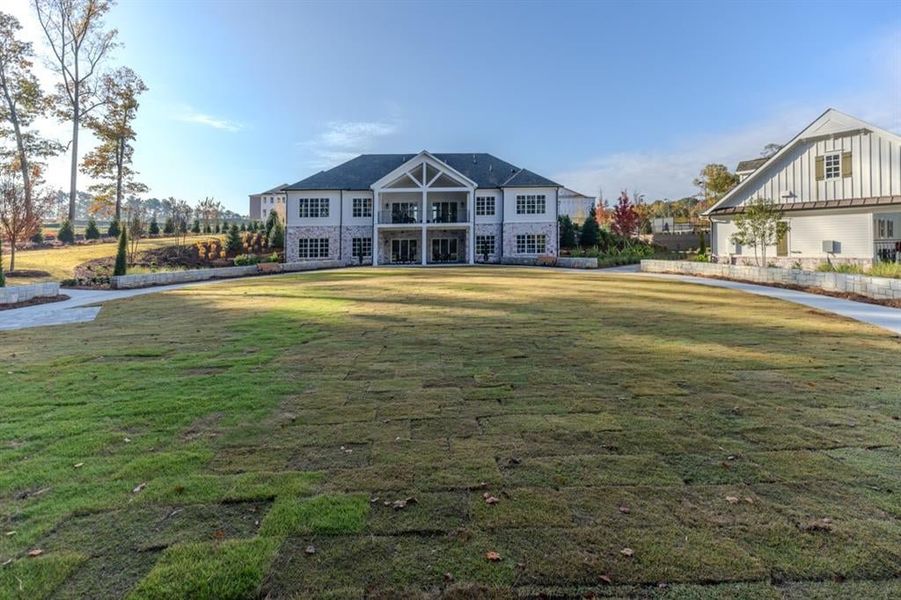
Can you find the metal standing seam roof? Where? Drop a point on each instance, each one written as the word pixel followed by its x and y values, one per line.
pixel 360 173
pixel 821 204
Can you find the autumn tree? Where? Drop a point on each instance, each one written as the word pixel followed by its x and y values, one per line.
pixel 21 103
pixel 625 219
pixel 181 213
pixel 19 219
pixel 759 225
pixel 79 44
pixel 110 162
pixel 715 181
pixel 136 231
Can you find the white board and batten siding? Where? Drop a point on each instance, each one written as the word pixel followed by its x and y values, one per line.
pixel 875 171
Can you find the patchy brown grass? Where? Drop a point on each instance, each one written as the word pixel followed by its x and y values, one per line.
pixel 738 446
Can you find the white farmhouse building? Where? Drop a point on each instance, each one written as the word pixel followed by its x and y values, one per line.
pixel 271 200
pixel 421 209
pixel 839 185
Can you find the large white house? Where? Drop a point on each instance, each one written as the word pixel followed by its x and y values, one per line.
pixel 421 209
pixel 839 185
pixel 265 202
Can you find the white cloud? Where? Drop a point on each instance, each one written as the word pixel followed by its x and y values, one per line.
pixel 199 118
pixel 343 140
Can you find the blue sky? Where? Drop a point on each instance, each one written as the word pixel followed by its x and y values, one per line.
pixel 636 95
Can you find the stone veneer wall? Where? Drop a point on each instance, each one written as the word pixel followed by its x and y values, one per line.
pixel 125 282
pixel 295 233
pixel 789 262
pixel 880 288
pixel 24 293
pixel 348 233
pixel 386 235
pixel 511 230
pixel 497 230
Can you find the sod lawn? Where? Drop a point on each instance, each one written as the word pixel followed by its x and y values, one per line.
pixel 378 433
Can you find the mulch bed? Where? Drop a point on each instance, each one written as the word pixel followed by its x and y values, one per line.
pixel 815 290
pixel 27 273
pixel 35 302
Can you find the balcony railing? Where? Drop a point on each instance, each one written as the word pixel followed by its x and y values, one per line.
pixel 888 250
pixel 451 216
pixel 392 217
pixel 389 217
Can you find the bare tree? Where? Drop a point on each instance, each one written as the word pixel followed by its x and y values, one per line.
pixel 75 32
pixel 181 215
pixel 18 220
pixel 22 102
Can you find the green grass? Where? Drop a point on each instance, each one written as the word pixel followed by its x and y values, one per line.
pixel 880 269
pixel 60 262
pixel 709 431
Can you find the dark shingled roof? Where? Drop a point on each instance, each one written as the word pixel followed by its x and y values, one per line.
pixel 750 165
pixel 360 173
pixel 820 204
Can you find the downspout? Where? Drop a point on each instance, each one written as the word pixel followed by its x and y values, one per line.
pixel 340 225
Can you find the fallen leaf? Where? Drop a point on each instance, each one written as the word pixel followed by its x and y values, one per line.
pixel 7 562
pixel 731 499
pixel 35 552
pixel 489 499
pixel 219 534
pixel 624 509
pixel 448 578
pixel 627 552
pixel 606 579
pixel 127 440
pixel 78 465
pixel 492 556
pixel 749 500
pixel 13 532
pixel 138 488
pixel 311 549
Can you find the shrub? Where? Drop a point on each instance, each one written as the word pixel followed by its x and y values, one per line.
pixel 702 256
pixel 243 260
pixel 886 269
pixel 195 228
pixel 233 243
pixel 208 229
pixel 113 230
pixel 154 227
pixel 91 232
pixel 121 267
pixel 702 244
pixel 169 227
pixel 66 234
pixel 277 235
pixel 567 232
pixel 243 227
pixel 590 230
pixel 273 258
pixel 38 238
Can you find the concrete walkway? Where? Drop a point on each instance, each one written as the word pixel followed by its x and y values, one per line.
pixel 84 305
pixel 885 317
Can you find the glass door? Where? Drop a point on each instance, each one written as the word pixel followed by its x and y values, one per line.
pixel 444 212
pixel 444 250
pixel 404 251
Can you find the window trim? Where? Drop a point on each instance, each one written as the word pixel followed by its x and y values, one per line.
pixel 363 242
pixel 361 208
pixel 313 208
pixel 486 206
pixel 531 243
pixel 313 248
pixel 531 204
pixel 482 239
pixel 836 168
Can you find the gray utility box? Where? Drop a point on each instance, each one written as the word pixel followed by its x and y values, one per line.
pixel 831 247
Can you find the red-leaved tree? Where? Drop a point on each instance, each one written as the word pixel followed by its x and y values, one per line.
pixel 18 220
pixel 624 221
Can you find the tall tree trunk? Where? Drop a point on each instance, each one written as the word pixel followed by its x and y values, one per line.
pixel 73 178
pixel 20 145
pixel 12 256
pixel 119 160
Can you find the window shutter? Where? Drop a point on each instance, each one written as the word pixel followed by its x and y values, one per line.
pixel 821 168
pixel 846 164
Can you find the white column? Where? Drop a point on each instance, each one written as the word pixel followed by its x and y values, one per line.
pixel 470 206
pixel 424 230
pixel 376 207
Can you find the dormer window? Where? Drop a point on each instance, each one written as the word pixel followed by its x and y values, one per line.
pixel 833 165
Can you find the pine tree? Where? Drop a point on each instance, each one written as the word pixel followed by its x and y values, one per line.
pixel 277 235
pixel 233 243
pixel 567 232
pixel 243 227
pixel 702 243
pixel 217 229
pixel 195 228
pixel 207 229
pixel 169 227
pixel 154 227
pixel 113 230
pixel 91 232
pixel 66 234
pixel 589 238
pixel 121 267
pixel 271 221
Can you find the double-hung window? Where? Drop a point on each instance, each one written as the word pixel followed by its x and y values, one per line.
pixel 530 204
pixel 362 207
pixel 485 245
pixel 484 206
pixel 312 248
pixel 361 246
pixel 313 208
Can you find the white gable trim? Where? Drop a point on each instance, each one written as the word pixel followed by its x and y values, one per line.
pixel 831 123
pixel 428 158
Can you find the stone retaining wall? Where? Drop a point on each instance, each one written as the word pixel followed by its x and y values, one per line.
pixel 577 262
pixel 125 282
pixel 879 288
pixel 23 293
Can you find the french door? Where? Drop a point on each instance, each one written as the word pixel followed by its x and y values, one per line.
pixel 404 251
pixel 444 250
pixel 444 212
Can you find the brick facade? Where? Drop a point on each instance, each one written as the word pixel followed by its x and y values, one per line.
pixel 295 233
pixel 348 234
pixel 497 230
pixel 511 230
